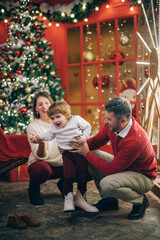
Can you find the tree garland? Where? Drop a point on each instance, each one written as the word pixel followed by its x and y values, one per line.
pixel 70 13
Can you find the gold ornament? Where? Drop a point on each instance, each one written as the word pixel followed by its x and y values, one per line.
pixel 22 65
pixel 5 74
pixel 3 95
pixel 124 39
pixel 41 90
pixel 1 103
pixel 27 89
pixel 16 85
pixel 45 78
pixel 47 57
pixel 10 57
pixel 29 100
pixel 3 85
pixel 52 73
pixel 6 108
pixel 8 80
pixel 89 56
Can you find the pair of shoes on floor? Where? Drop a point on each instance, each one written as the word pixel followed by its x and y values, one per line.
pixel 22 220
pixel 138 210
pixel 106 204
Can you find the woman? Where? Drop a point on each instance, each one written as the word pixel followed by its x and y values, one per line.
pixel 45 161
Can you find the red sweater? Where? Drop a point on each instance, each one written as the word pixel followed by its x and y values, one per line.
pixel 134 152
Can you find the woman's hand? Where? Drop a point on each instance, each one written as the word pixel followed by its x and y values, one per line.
pixel 35 139
pixel 80 140
pixel 81 149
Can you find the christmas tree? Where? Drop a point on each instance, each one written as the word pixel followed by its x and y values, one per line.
pixel 26 67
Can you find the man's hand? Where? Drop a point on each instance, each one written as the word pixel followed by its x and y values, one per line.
pixel 81 149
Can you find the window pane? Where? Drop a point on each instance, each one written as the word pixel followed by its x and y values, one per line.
pixel 91 81
pixel 107 39
pixel 126 36
pixel 76 110
pixel 74 79
pixel 92 116
pixel 73 36
pixel 108 71
pixel 90 42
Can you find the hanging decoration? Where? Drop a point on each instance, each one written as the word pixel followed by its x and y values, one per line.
pixel 104 81
pixel 89 56
pixel 117 54
pixel 65 13
pixel 124 39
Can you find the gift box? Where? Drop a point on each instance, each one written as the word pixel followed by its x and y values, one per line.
pixel 18 174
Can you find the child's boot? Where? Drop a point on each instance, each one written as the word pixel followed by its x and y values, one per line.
pixel 84 205
pixel 68 202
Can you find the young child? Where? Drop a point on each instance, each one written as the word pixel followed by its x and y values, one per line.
pixel 68 128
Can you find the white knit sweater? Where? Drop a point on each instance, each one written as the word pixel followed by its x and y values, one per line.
pixel 53 157
pixel 75 126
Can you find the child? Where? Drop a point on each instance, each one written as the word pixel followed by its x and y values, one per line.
pixel 68 128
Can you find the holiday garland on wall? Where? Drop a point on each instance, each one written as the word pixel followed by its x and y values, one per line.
pixel 66 13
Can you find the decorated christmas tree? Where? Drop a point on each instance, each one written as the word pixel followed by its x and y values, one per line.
pixel 26 67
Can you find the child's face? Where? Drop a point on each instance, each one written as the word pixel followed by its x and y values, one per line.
pixel 58 119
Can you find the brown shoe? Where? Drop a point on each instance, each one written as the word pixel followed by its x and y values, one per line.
pixel 27 218
pixel 15 221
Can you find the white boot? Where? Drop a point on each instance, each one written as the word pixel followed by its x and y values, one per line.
pixel 68 202
pixel 83 204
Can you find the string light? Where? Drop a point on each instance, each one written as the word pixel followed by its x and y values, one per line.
pixel 86 19
pixel 96 8
pixel 49 24
pixel 131 8
pixel 107 6
pixel 57 24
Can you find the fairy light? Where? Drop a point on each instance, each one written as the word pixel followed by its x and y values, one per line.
pixel 131 8
pixel 96 8
pixel 139 1
pixel 107 5
pixel 86 19
pixel 140 90
pixel 139 35
pixel 63 14
pixel 75 20
pixel 49 24
pixel 57 24
pixel 72 15
pixel 2 10
pixel 148 25
pixel 123 1
pixel 44 18
pixel 5 20
pixel 84 6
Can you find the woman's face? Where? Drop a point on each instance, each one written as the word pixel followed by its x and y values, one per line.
pixel 42 106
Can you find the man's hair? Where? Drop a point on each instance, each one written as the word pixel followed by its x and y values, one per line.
pixel 60 107
pixel 120 106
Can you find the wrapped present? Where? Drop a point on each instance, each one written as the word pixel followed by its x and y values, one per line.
pixel 18 174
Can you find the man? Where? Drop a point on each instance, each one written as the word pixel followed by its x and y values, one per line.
pixel 132 170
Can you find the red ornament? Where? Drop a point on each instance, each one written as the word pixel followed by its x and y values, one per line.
pixel 28 42
pixel 5 58
pixel 23 110
pixel 89 110
pixel 37 27
pixel 104 81
pixel 119 55
pixel 6 49
pixel 1 75
pixel 17 53
pixel 40 49
pixel 76 74
pixel 19 72
pixel 18 34
pixel 11 75
pixel 37 39
pixel 146 73
pixel 41 66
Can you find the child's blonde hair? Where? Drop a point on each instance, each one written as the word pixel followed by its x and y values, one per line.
pixel 60 107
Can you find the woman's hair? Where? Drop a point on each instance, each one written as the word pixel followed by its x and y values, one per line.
pixel 60 107
pixel 40 94
pixel 120 106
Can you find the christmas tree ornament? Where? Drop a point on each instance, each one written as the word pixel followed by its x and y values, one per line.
pixel 29 100
pixel 76 74
pixel 6 108
pixel 45 78
pixel 27 89
pixel 1 103
pixel 3 85
pixel 41 66
pixel 19 72
pixel 104 81
pixel 117 55
pixel 89 56
pixel 124 39
pixel 17 53
pixel 52 73
pixel 8 80
pixel 23 110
